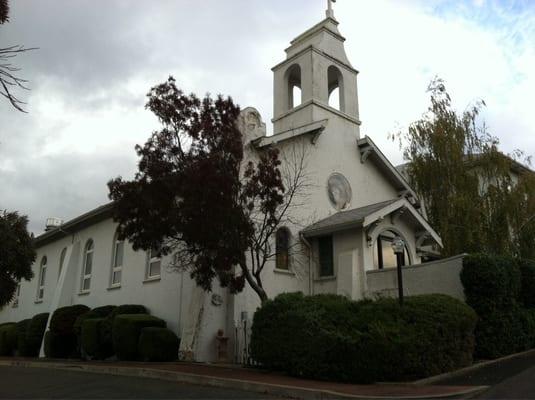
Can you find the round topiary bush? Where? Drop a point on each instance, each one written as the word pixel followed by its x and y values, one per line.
pixel 91 340
pixel 126 332
pixel 62 338
pixel 8 339
pixel 158 344
pixel 34 335
pixel 22 329
pixel 106 326
pixel 331 337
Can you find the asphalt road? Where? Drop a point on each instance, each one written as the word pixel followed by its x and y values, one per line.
pixel 25 383
pixel 509 379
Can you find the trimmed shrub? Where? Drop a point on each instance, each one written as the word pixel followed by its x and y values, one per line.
pixel 34 335
pixel 158 344
pixel 106 327
pixel 126 332
pixel 497 288
pixel 491 283
pixel 332 337
pixel 98 312
pixel 91 339
pixel 8 339
pixel 62 338
pixel 527 293
pixel 22 329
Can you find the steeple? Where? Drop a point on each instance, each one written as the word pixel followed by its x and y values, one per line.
pixel 316 66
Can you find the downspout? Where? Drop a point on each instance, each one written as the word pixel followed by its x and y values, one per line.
pixel 310 282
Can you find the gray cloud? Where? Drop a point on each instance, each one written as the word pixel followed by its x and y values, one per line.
pixel 97 60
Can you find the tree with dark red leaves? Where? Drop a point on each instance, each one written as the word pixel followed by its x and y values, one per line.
pixel 17 254
pixel 195 197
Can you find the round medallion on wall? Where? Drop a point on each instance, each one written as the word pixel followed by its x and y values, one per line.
pixel 339 191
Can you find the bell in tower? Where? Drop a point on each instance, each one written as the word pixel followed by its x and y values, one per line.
pixel 316 68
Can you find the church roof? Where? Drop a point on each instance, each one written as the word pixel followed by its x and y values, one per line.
pixel 370 151
pixel 366 216
pixel 68 228
pixel 344 219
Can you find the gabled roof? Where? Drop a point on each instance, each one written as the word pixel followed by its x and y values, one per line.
pixel 344 219
pixel 366 216
pixel 370 152
pixel 68 228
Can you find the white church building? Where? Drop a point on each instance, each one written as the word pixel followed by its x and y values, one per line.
pixel 357 204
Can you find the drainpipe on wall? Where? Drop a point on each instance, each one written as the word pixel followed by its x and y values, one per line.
pixel 310 283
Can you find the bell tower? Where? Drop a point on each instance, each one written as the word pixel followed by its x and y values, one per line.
pixel 316 68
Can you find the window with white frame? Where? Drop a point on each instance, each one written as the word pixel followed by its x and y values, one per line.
pixel 117 261
pixel 17 296
pixel 62 260
pixel 87 266
pixel 42 278
pixel 154 266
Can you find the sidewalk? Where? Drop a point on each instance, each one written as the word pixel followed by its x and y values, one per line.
pixel 254 380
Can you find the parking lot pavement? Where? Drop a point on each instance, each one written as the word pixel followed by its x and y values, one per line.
pixel 25 383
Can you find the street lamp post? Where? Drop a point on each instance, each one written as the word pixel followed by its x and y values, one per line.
pixel 398 245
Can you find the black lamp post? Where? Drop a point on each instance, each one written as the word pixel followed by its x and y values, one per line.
pixel 398 245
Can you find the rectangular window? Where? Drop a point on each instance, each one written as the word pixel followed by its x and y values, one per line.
pixel 41 280
pixel 88 266
pixel 155 264
pixel 17 296
pixel 117 265
pixel 325 245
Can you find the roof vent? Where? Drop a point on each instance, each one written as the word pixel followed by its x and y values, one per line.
pixel 53 223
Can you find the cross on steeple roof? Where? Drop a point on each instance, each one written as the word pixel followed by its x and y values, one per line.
pixel 329 12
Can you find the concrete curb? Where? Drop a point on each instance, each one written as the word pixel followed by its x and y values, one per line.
pixel 227 383
pixel 470 368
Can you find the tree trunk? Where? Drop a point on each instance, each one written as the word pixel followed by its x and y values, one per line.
pixel 256 286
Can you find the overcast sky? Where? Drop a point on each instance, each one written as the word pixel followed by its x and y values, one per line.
pixel 98 58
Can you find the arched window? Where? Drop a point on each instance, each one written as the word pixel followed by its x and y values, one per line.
pixel 293 77
pixel 383 254
pixel 336 88
pixel 62 260
pixel 282 248
pixel 154 264
pixel 87 267
pixel 117 261
pixel 42 278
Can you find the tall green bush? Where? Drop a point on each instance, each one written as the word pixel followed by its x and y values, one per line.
pixel 8 339
pixel 106 338
pixel 22 329
pixel 34 335
pixel 126 331
pixel 498 288
pixel 158 344
pixel 527 293
pixel 62 338
pixel 331 337
pixel 91 339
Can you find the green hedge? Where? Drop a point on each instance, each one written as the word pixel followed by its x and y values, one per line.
pixel 499 289
pixel 91 339
pixel 22 329
pixel 106 337
pixel 331 337
pixel 62 338
pixel 98 312
pixel 527 293
pixel 126 332
pixel 158 344
pixel 8 339
pixel 34 335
